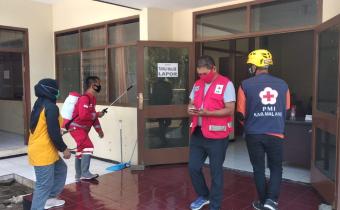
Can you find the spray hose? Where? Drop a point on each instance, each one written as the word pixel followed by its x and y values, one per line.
pixel 104 111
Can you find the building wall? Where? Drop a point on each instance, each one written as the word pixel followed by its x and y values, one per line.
pixel 109 146
pixel 159 24
pixel 37 18
pixel 330 8
pixel 76 13
pixel 42 20
pixel 70 14
pixel 155 24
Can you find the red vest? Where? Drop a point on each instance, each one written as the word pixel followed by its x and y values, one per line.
pixel 212 127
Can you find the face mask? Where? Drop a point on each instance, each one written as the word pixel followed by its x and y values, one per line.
pixel 58 94
pixel 98 88
pixel 208 77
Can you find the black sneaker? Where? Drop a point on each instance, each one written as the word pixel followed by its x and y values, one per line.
pixel 258 205
pixel 270 205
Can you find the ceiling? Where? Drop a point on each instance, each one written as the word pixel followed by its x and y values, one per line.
pixel 168 5
pixel 48 1
pixel 172 5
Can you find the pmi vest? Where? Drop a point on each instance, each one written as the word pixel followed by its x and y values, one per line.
pixel 212 127
pixel 265 104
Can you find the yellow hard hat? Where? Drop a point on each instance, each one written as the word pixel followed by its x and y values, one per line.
pixel 260 58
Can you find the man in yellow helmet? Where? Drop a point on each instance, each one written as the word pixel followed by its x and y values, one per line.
pixel 262 101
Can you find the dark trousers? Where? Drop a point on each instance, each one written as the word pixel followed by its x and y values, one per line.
pixel 200 149
pixel 258 145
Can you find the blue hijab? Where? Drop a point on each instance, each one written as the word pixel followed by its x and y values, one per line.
pixel 46 90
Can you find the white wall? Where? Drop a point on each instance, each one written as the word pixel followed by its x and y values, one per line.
pixel 159 24
pixel 37 17
pixel 70 14
pixel 12 116
pixel 330 8
pixel 109 146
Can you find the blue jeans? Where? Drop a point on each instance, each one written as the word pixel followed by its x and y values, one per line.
pixel 50 182
pixel 200 149
pixel 258 145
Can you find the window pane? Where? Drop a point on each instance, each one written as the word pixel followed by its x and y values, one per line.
pixel 124 33
pixel 93 38
pixel 160 89
pixel 166 133
pixel 68 74
pixel 288 60
pixel 94 64
pixel 283 14
pixel 221 23
pixel 222 53
pixel 325 154
pixel 11 76
pixel 123 65
pixel 68 42
pixel 11 39
pixel 328 70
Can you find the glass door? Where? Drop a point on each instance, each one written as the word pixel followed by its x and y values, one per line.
pixel 165 77
pixel 325 149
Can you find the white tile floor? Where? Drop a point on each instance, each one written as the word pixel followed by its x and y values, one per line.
pixel 238 158
pixel 11 144
pixel 20 166
pixel 11 140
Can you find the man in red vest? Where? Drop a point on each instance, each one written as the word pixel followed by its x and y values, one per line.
pixel 212 105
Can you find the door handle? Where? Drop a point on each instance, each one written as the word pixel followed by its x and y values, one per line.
pixel 140 101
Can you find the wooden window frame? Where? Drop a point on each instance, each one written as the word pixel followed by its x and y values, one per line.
pixel 249 33
pixel 105 47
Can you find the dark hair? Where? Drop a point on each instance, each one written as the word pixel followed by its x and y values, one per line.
pixel 90 80
pixel 205 61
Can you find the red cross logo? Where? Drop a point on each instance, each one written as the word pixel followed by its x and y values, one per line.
pixel 268 96
pixel 218 89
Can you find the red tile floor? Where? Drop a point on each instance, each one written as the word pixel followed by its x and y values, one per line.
pixel 169 188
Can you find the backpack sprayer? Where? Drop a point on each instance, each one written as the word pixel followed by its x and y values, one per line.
pixel 64 131
pixel 120 165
